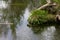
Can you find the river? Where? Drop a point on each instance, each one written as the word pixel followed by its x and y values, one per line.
pixel 13 23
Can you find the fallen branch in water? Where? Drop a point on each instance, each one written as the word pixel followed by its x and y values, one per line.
pixel 49 3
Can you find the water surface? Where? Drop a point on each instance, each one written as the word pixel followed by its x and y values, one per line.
pixel 17 12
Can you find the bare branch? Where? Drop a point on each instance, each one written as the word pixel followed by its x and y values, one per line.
pixel 49 3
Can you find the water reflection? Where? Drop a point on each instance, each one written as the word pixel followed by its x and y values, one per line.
pixel 12 14
pixel 3 4
pixel 39 29
pixel 57 32
pixel 44 33
pixel 49 33
pixel 17 13
pixel 4 32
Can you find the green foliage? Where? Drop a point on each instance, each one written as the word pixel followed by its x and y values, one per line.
pixel 37 15
pixel 40 17
pixel 57 1
pixel 43 2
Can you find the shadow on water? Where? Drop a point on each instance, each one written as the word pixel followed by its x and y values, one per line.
pixel 39 28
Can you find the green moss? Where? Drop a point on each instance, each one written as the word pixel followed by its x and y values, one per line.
pixel 57 1
pixel 43 2
pixel 40 17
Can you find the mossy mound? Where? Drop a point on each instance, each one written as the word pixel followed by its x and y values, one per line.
pixel 40 17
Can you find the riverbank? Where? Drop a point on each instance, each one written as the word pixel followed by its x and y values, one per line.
pixel 41 17
pixel 45 14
